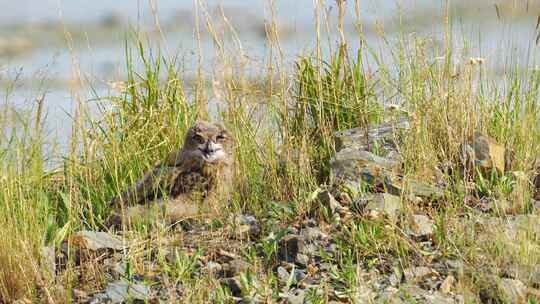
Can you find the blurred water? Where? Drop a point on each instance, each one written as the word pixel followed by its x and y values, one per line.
pixel 46 64
pixel 88 11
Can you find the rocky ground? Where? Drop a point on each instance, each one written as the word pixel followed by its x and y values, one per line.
pixel 375 236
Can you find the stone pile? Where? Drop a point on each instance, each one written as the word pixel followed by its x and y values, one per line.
pixel 369 160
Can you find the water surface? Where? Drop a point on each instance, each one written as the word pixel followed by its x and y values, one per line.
pixel 34 49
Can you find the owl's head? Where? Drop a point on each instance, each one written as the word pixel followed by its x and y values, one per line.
pixel 211 142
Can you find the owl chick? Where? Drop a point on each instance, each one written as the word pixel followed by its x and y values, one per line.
pixel 190 181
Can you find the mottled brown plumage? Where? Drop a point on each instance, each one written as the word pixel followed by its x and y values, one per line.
pixel 190 181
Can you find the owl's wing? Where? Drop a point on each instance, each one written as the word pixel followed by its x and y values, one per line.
pixel 174 159
pixel 160 178
pixel 149 186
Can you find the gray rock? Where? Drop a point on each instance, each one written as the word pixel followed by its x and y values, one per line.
pixel 235 267
pixel 246 225
pixel 328 200
pixel 447 284
pixel 80 296
pixel 48 261
pixel 296 296
pixel 394 156
pixel 252 299
pixel 289 277
pixel 365 294
pixel 438 298
pixel 511 227
pixel 120 269
pixel 421 226
pixel 383 134
pixel 234 285
pixel 299 275
pixel 351 173
pixel 362 157
pixel 331 249
pixel 526 273
pixel 302 260
pixel 395 296
pixel 384 204
pixel 313 234
pixel 535 204
pixel 488 154
pixel 120 292
pixel 95 240
pixel 525 222
pixel 512 291
pixel 283 275
pixel 414 188
pixel 326 266
pixel 290 246
pixel 396 277
pixel 412 294
pixel 485 154
pixel 456 265
pixel 213 267
pixel 418 274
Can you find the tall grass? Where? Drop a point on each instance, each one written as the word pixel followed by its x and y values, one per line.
pixel 27 213
pixel 328 97
pixel 284 141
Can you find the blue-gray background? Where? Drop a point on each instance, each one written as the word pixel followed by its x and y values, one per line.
pixel 36 58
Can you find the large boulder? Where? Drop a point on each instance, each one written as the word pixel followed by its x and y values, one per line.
pixel 484 153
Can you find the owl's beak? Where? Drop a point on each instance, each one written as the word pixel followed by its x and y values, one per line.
pixel 209 148
pixel 211 151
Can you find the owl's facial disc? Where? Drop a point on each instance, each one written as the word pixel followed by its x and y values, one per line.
pixel 211 151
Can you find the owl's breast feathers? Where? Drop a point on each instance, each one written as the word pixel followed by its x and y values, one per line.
pixel 195 177
pixel 181 173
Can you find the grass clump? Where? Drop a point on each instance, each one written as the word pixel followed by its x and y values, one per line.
pixel 284 135
pixel 27 211
pixel 329 96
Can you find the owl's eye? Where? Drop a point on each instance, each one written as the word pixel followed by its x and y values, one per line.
pixel 198 138
pixel 220 137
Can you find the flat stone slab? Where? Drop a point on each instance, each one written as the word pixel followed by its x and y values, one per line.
pixel 364 157
pixel 121 292
pixel 513 291
pixel 353 174
pixel 421 226
pixel 384 203
pixel 385 134
pixel 96 240
pixel 415 188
